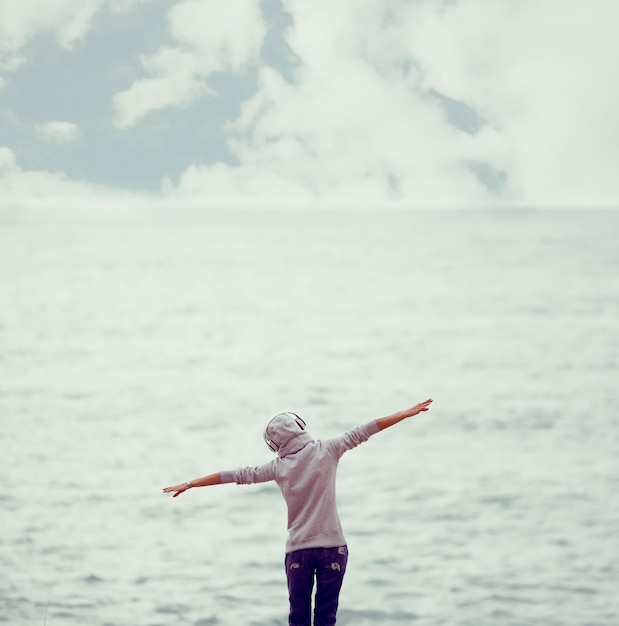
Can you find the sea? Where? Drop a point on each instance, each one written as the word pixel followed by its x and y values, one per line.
pixel 140 349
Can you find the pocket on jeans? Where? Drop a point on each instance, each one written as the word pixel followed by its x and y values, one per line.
pixel 338 558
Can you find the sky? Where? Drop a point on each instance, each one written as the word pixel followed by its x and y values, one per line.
pixel 309 104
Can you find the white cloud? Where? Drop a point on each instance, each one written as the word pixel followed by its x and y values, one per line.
pixel 307 145
pixel 363 120
pixel 350 130
pixel 7 160
pixel 360 124
pixel 177 81
pixel 210 36
pixel 68 20
pixel 21 188
pixel 542 75
pixel 22 20
pixel 59 132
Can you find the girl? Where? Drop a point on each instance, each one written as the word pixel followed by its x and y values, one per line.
pixel 305 472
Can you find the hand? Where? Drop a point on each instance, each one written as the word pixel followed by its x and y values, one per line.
pixel 418 408
pixel 390 420
pixel 178 488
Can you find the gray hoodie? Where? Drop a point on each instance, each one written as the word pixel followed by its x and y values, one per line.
pixel 305 470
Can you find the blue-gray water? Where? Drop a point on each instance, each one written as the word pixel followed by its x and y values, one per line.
pixel 139 350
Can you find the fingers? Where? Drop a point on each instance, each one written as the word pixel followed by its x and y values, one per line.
pixel 422 406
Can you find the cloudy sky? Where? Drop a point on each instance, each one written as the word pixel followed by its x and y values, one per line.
pixel 309 103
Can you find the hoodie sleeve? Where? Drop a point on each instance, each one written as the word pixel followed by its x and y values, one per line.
pixel 249 475
pixel 352 438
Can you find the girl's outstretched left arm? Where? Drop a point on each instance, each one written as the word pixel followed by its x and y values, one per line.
pixel 205 481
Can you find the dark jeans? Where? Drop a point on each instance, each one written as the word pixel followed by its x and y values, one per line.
pixel 328 566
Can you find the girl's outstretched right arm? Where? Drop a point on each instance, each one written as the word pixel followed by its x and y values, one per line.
pixel 390 420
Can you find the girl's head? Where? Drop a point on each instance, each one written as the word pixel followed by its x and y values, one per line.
pixel 282 429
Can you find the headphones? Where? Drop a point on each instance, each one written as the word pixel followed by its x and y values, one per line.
pixel 274 447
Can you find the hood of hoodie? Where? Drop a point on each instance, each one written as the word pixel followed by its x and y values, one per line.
pixel 284 431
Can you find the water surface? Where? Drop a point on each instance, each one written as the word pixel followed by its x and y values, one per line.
pixel 138 350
